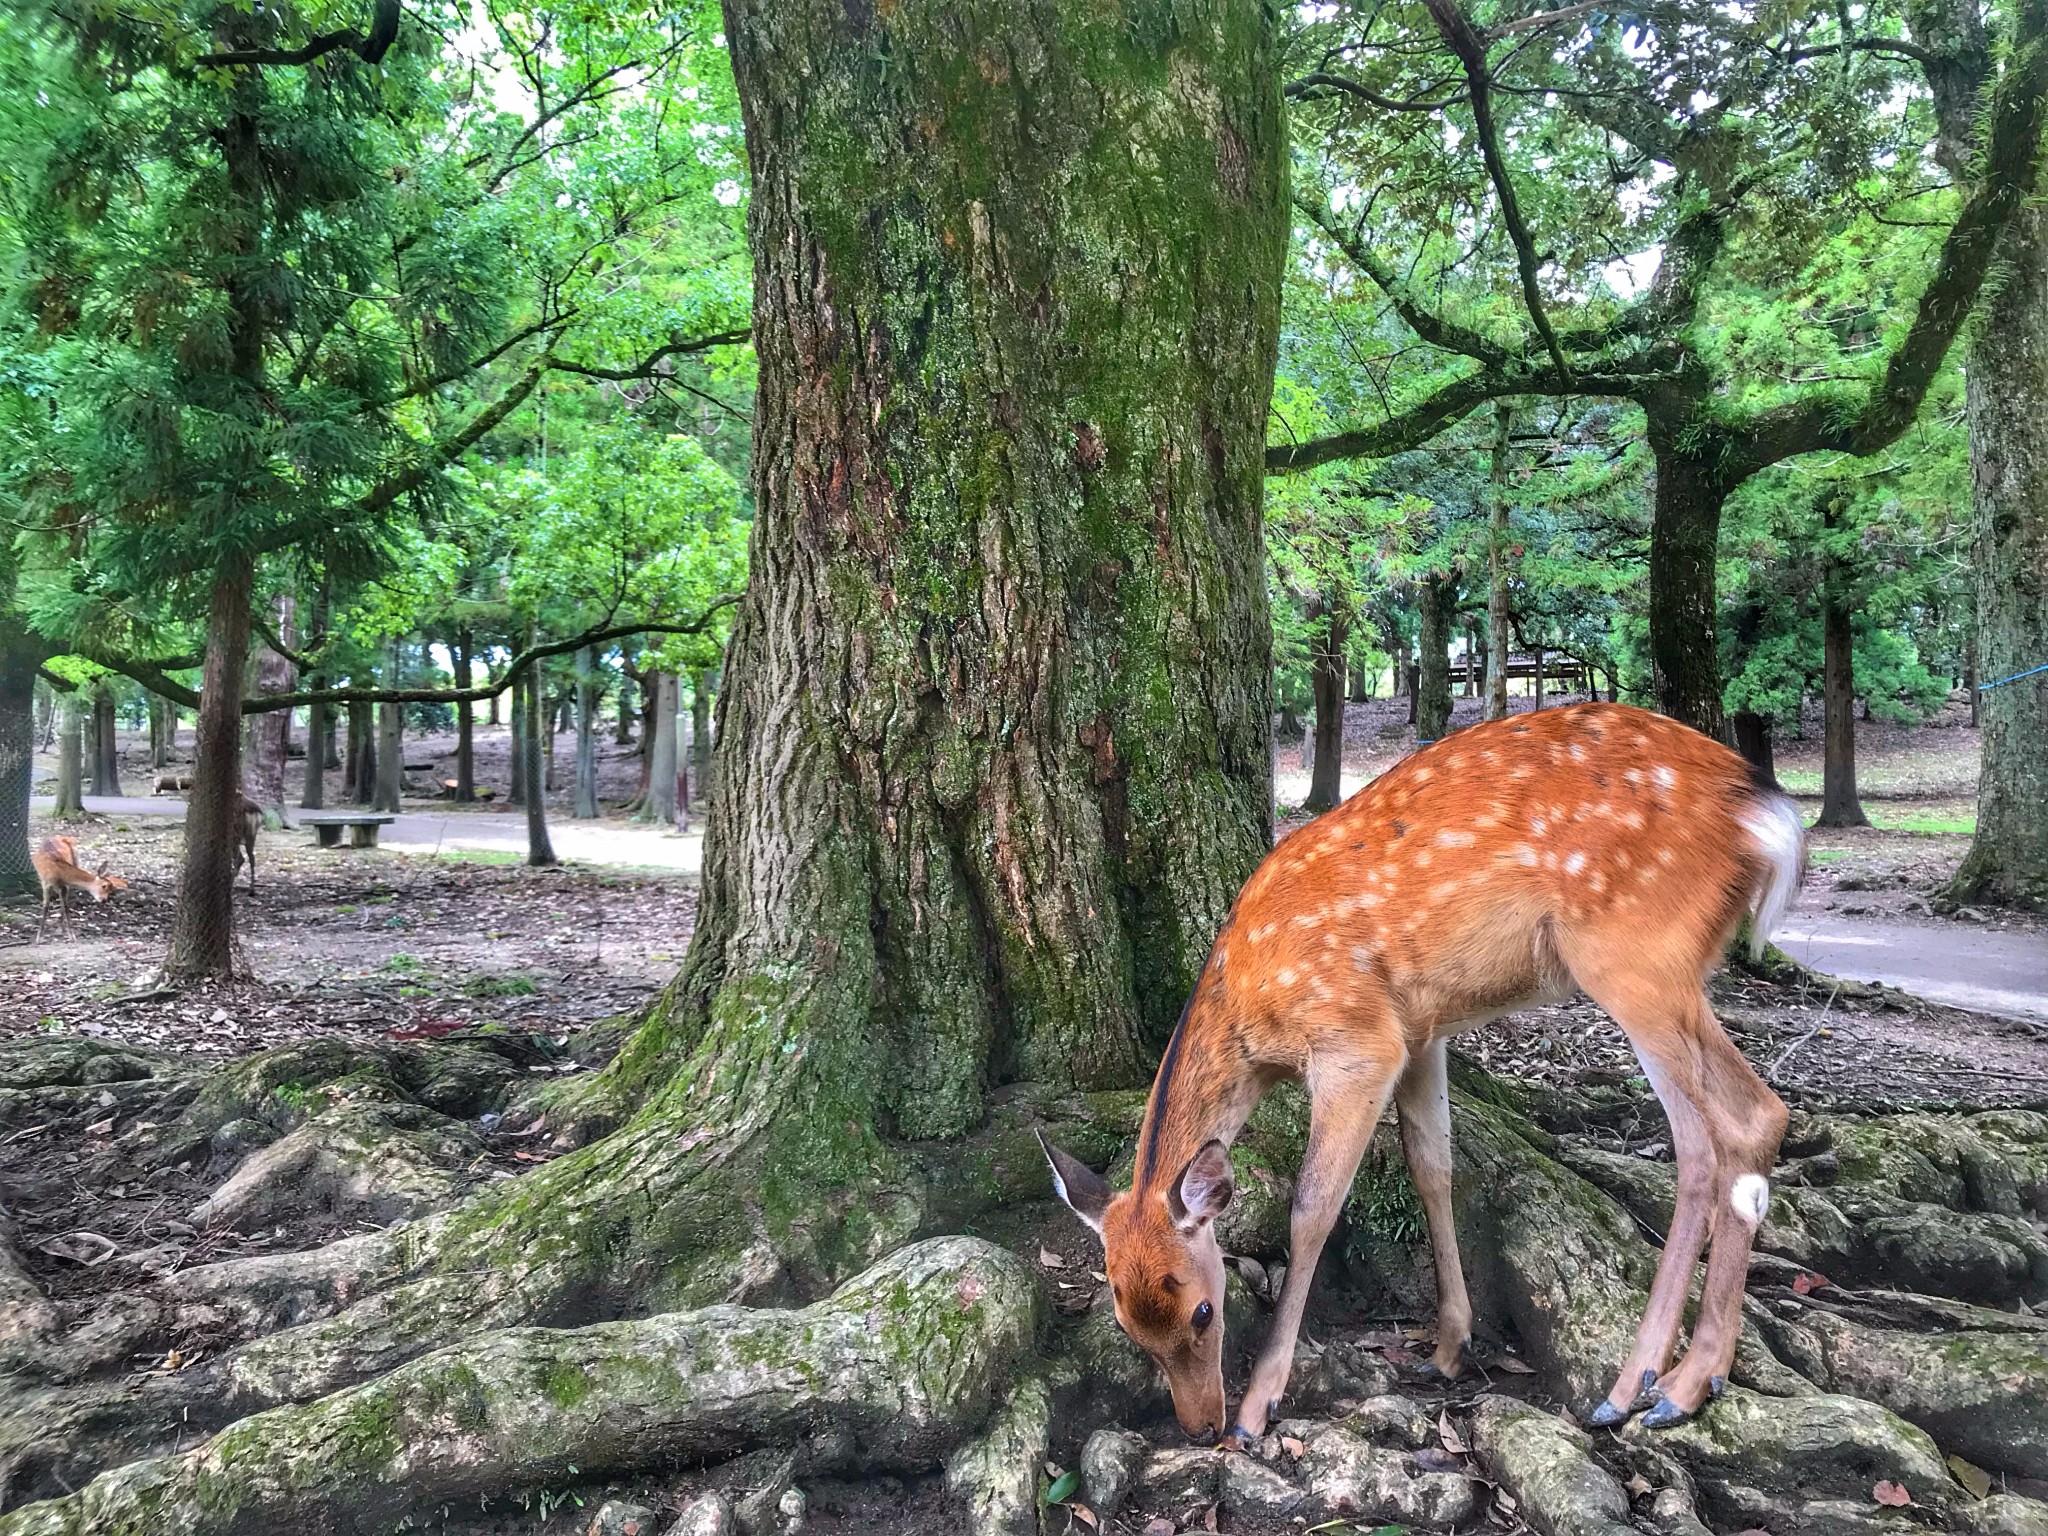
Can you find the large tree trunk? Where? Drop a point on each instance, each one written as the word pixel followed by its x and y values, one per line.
pixel 1839 805
pixel 1326 674
pixel 1753 739
pixel 2008 408
pixel 465 723
pixel 586 732
pixel 1436 598
pixel 362 753
pixel 517 710
pixel 71 708
pixel 1685 659
pixel 390 777
pixel 159 754
pixel 106 756
pixel 1499 613
pixel 313 787
pixel 622 735
pixel 203 927
pixel 540 849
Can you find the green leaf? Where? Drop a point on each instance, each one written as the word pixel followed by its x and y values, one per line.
pixel 1063 1488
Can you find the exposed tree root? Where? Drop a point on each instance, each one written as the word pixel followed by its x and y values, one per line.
pixel 891 1371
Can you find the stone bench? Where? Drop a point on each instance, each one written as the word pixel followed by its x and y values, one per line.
pixel 362 827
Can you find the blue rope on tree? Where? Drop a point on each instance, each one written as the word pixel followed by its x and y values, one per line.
pixel 2014 678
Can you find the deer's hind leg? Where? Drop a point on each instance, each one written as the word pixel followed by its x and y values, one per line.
pixel 1423 1096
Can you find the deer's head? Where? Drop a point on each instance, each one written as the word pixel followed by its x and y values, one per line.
pixel 104 886
pixel 1165 1271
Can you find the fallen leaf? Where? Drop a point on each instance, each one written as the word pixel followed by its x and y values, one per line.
pixel 1209 1518
pixel 1505 1500
pixel 1050 1259
pixel 1431 1459
pixel 1974 1478
pixel 1892 1494
pixel 1399 1357
pixel 1805 1284
pixel 1291 1446
pixel 100 1127
pixel 1514 1366
pixel 1085 1515
pixel 1637 1486
pixel 1063 1488
pixel 1159 1525
pixel 1448 1433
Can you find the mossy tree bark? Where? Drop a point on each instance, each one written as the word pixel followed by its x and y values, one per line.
pixel 106 758
pixel 658 800
pixel 1436 601
pixel 203 929
pixel 2008 407
pixel 1326 664
pixel 70 756
pixel 1840 806
pixel 20 656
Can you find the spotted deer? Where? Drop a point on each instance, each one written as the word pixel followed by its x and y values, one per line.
pixel 56 865
pixel 1592 847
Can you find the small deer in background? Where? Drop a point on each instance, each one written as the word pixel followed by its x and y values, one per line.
pixel 1595 847
pixel 251 815
pixel 56 862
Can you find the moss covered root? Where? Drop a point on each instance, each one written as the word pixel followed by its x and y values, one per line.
pixel 897 1367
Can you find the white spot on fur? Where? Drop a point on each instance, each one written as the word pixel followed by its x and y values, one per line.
pixel 1361 957
pixel 1307 919
pixel 1666 779
pixel 1455 839
pixel 1538 826
pixel 1634 776
pixel 1751 1198
pixel 1285 976
pixel 1575 863
pixel 1262 933
pixel 1524 855
pixel 1422 775
pixel 1423 856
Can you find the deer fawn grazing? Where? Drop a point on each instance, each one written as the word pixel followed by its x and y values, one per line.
pixel 1596 847
pixel 245 837
pixel 56 862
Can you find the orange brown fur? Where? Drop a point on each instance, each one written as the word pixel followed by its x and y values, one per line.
pixel 1593 846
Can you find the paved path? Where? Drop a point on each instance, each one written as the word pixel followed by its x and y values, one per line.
pixel 1949 962
pixel 417 831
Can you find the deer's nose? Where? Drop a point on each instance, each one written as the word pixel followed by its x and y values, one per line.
pixel 1205 1435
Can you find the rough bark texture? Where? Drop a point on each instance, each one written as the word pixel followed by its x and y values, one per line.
pixel 517 709
pixel 267 733
pixel 1755 740
pixel 1839 804
pixel 1685 659
pixel 70 755
pixel 2008 407
pixel 203 930
pixel 1436 599
pixel 319 731
pixel 658 799
pixel 1499 610
pixel 587 698
pixel 703 773
pixel 19 658
pixel 1326 674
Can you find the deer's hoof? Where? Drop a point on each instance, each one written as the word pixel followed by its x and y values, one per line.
pixel 1607 1415
pixel 1236 1438
pixel 1664 1413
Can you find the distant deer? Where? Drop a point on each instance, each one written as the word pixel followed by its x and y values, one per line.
pixel 56 862
pixel 245 836
pixel 1596 847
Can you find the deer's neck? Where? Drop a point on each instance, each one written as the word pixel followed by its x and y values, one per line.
pixel 1205 1090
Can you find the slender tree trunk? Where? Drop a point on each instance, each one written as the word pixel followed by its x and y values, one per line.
pixel 1436 599
pixel 1499 614
pixel 516 709
pixel 1326 674
pixel 313 788
pixel 622 735
pixel 203 926
pixel 703 761
pixel 1685 531
pixel 658 804
pixel 390 776
pixel 540 851
pixel 157 753
pixel 2007 400
pixel 20 656
pixel 586 732
pixel 1542 667
pixel 1839 805
pixel 267 747
pixel 332 747
pixel 71 708
pixel 106 767
pixel 465 724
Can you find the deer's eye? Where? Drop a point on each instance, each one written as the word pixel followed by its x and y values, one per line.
pixel 1202 1316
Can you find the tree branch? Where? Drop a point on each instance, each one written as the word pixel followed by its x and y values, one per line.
pixel 651 367
pixel 1470 47
pixel 1320 84
pixel 370 47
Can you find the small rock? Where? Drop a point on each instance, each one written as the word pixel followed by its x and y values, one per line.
pixel 1254 1493
pixel 1174 1480
pixel 706 1515
pixel 1672 1513
pixel 1109 1466
pixel 622 1517
pixel 756 1513
pixel 1390 1417
pixel 2006 1514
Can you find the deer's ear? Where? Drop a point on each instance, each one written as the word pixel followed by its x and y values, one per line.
pixel 1084 1190
pixel 1203 1190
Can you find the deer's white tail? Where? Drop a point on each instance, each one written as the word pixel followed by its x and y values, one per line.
pixel 1772 822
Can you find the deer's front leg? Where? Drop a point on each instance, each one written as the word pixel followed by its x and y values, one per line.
pixel 1347 1098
